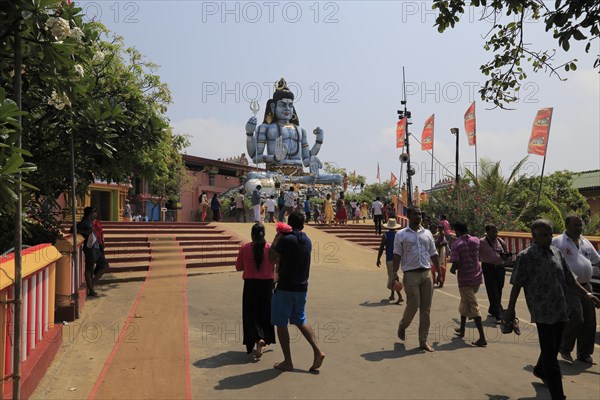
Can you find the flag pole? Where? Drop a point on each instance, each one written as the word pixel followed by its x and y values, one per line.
pixel 537 204
pixel 476 168
pixel 475 130
pixel 547 140
pixel 431 186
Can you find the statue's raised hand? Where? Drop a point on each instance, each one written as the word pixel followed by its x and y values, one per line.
pixel 319 132
pixel 281 149
pixel 251 126
pixel 315 165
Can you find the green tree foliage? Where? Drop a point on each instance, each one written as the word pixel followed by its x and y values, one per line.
pixel 478 207
pixel 558 198
pixel 79 81
pixel 510 203
pixel 567 20
pixel 490 179
pixel 354 181
pixel 374 190
pixel 11 156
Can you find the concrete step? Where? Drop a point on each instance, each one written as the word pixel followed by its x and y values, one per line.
pixel 128 258
pixel 210 247
pixel 126 240
pixel 203 264
pixel 139 231
pixel 166 225
pixel 205 255
pixel 127 266
pixel 184 238
pixel 117 250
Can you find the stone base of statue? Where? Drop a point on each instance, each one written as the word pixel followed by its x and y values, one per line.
pixel 285 169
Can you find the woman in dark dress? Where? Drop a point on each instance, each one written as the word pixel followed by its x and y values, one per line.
pixel 258 275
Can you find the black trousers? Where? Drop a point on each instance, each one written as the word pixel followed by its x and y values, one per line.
pixel 377 219
pixel 550 336
pixel 493 277
pixel 582 323
pixel 256 312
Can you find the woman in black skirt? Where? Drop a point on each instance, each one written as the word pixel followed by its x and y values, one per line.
pixel 258 278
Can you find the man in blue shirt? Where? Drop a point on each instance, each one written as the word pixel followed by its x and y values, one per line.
pixel 292 253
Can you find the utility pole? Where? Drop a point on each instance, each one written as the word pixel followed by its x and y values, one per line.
pixel 409 170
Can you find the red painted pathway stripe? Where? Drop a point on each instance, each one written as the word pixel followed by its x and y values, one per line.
pixel 120 339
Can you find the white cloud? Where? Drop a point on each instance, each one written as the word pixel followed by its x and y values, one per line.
pixel 212 138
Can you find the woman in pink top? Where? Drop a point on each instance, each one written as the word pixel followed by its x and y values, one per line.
pixel 258 278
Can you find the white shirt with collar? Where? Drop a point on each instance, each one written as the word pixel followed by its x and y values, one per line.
pixel 415 248
pixel 377 207
pixel 290 199
pixel 581 259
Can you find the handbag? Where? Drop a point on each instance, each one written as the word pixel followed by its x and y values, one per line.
pixel 511 326
pixel 504 254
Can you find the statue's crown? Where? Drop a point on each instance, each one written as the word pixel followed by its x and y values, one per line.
pixel 281 85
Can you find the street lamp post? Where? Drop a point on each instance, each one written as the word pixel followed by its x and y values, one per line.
pixel 409 170
pixel 454 131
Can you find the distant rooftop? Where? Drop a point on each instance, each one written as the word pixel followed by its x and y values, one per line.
pixel 587 180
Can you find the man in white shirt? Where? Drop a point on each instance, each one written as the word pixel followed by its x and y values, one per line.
pixel 581 257
pixel 271 208
pixel 256 203
pixel 239 206
pixel 377 212
pixel 290 201
pixel 414 250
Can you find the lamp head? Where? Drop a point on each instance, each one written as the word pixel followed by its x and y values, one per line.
pixel 454 131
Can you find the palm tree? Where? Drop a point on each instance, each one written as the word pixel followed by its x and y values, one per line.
pixel 490 178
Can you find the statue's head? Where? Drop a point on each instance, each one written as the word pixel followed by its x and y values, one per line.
pixel 281 106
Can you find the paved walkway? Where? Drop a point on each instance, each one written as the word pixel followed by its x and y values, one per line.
pixel 356 326
pixel 354 323
pixel 150 359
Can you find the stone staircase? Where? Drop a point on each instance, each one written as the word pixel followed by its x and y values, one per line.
pixel 360 233
pixel 128 244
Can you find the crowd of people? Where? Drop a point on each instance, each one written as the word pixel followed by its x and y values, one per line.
pixel 554 272
pixel 334 209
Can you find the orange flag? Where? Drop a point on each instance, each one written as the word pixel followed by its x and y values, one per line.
pixel 427 136
pixel 538 142
pixel 470 125
pixel 393 180
pixel 400 133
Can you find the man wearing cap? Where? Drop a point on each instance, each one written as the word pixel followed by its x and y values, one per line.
pixel 414 247
pixel 91 248
pixel 387 244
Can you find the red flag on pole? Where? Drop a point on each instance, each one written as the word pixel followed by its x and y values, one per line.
pixel 393 180
pixel 470 125
pixel 538 142
pixel 378 177
pixel 427 136
pixel 400 133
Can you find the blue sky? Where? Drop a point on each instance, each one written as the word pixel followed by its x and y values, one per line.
pixel 344 60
